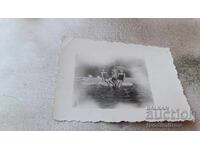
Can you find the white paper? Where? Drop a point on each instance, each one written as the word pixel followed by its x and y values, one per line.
pixel 149 91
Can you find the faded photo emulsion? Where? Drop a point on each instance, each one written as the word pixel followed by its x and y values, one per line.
pixel 113 83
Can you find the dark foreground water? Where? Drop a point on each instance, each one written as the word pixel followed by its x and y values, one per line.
pixel 107 97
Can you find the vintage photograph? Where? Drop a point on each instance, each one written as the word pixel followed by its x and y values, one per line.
pixel 117 83
pixel 114 82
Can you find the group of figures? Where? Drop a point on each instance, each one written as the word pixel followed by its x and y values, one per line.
pixel 115 78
